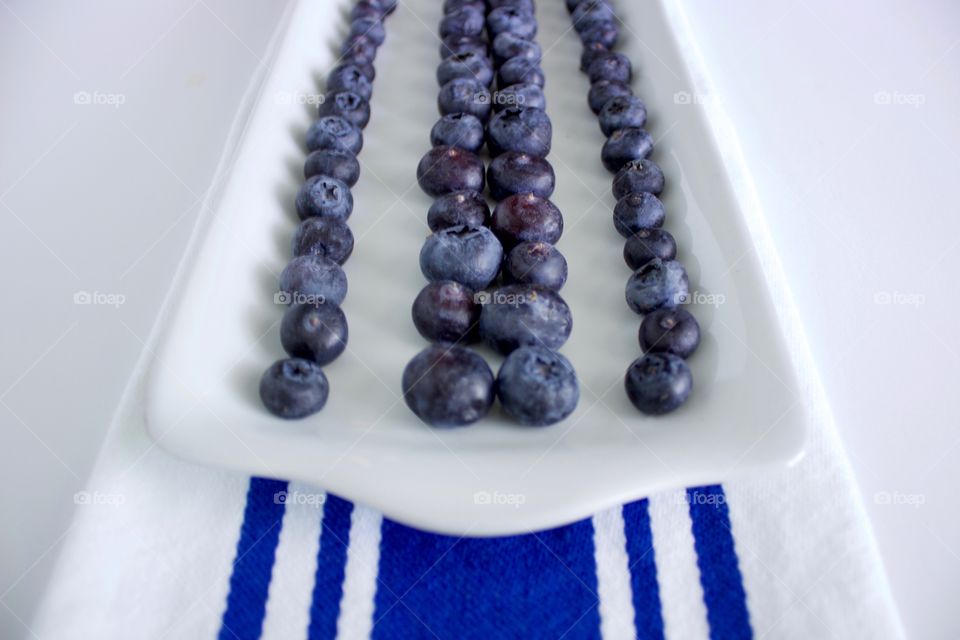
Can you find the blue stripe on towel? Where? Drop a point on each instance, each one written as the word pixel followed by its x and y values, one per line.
pixel 331 565
pixel 256 548
pixel 643 571
pixel 541 585
pixel 723 590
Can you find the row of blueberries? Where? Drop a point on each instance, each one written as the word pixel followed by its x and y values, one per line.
pixel 659 381
pixel 314 328
pixel 524 318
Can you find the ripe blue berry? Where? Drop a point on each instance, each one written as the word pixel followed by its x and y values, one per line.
pixel 324 197
pixel 591 51
pixel 294 388
pixel 625 145
pixel 348 105
pixel 614 67
pixel 327 237
pixel 603 91
pixel 513 172
pixel 368 27
pixel 446 311
pixel 522 129
pixel 448 386
pixel 468 255
pixel 657 284
pixel 458 130
pixel 334 132
pixel 349 77
pixel 444 170
pixel 524 94
pixel 315 332
pixel 658 383
pixel 462 44
pixel 522 315
pixel 537 386
pixel 592 12
pixel 638 176
pixel 537 263
pixel 509 45
pixel 603 33
pixel 622 112
pixel 468 64
pixel 463 22
pixel 315 277
pixel 465 95
pixel 461 208
pixel 525 217
pixel 519 69
pixel 336 163
pixel 508 19
pixel 670 331
pixel 636 211
pixel 646 245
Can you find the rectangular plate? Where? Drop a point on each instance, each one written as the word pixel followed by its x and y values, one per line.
pixel 493 477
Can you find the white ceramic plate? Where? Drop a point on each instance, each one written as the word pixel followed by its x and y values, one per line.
pixel 493 477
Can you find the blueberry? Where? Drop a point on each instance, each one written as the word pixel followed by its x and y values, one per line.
pixel 446 311
pixel 604 33
pixel 509 19
pixel 388 6
pixel 366 9
pixel 590 53
pixel 458 130
pixel 636 211
pixel 461 208
pixel 523 5
pixel 358 48
pixel 465 95
pixel 537 263
pixel 517 70
pixel 465 21
pixel 572 4
pixel 468 64
pixel 336 163
pixel 614 67
pixel 601 92
pixel 522 129
pixel 658 383
pixel 368 27
pixel 294 388
pixel 314 279
pixel 447 169
pixel 365 67
pixel 524 94
pixel 670 331
pixel 462 44
pixel 334 132
pixel 324 197
pixel 468 255
pixel 449 6
pixel 625 145
pixel 348 105
pixel 327 237
pixel 591 12
pixel 646 245
pixel 537 386
pixel 638 176
pixel 513 172
pixel 525 217
pixel 315 332
pixel 520 315
pixel 448 386
pixel 622 112
pixel 509 45
pixel 656 285
pixel 349 77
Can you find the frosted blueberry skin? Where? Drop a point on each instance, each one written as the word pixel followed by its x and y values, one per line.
pixel 523 94
pixel 388 6
pixel 523 5
pixel 637 211
pixel 646 245
pixel 469 255
pixel 510 19
pixel 316 277
pixel 673 331
pixel 590 13
pixel 538 263
pixel 463 44
pixel 603 33
pixel 336 163
pixel 537 387
pixel 591 51
pixel 522 129
pixel 325 197
pixel 614 67
pixel 625 145
pixel 446 311
pixel 638 176
pixel 622 112
pixel 462 22
pixel 349 77
pixel 449 6
pixel 520 315
pixel 658 383
pixel 334 132
pixel 348 105
pixel 572 4
pixel 659 284
pixel 520 70
pixel 465 95
pixel 509 45
pixel 465 65
pixel 461 208
pixel 316 332
pixel 366 9
pixel 368 27
pixel 444 170
pixel 448 386
pixel 458 130
pixel 525 217
pixel 357 48
pixel 513 172
pixel 601 92
pixel 294 388
pixel 326 237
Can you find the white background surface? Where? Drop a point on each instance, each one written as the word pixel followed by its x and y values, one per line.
pixel 860 195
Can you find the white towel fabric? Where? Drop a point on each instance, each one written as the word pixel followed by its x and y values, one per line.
pixel 158 565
